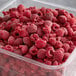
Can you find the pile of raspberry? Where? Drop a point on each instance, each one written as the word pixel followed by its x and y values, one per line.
pixel 43 34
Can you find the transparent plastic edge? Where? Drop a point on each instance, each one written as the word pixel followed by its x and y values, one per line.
pixel 57 5
pixel 69 60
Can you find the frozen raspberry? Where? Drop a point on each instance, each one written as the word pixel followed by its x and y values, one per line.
pixel 48 16
pixel 33 50
pixel 4 34
pixel 55 63
pixel 52 41
pixel 40 43
pixel 27 41
pixel 61 49
pixel 9 48
pixel 60 32
pixel 24 48
pixel 58 55
pixel 27 13
pixel 71 49
pixel 66 55
pixel 58 44
pixel 34 17
pixel 74 27
pixel 41 53
pixel 66 47
pixel 34 37
pixel 47 23
pixel 20 8
pixel 62 19
pixel 28 55
pixel 45 38
pixel 55 26
pixel 11 40
pixel 46 29
pixel 32 28
pixel 18 41
pixel 39 31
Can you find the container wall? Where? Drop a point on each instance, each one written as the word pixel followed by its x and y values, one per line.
pixel 11 66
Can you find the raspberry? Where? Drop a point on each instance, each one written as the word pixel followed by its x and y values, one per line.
pixel 58 56
pixel 60 32
pixel 61 49
pixel 55 26
pixel 20 8
pixel 62 19
pixel 74 27
pixel 27 13
pixel 58 44
pixel 34 17
pixel 34 37
pixel 47 23
pixel 52 41
pixel 27 41
pixel 4 34
pixel 11 40
pixel 48 16
pixel 9 48
pixel 55 63
pixel 32 28
pixel 40 43
pixel 71 49
pixel 55 13
pixel 33 50
pixel 18 41
pixel 70 31
pixel 28 55
pixel 66 55
pixel 24 48
pixel 66 47
pixel 41 53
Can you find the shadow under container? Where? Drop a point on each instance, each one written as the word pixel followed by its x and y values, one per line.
pixel 12 64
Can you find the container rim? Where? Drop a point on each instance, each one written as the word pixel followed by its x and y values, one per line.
pixel 69 60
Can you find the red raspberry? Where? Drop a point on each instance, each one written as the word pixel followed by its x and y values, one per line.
pixel 33 50
pixel 39 31
pixel 55 13
pixel 61 49
pixel 55 63
pixel 74 27
pixel 32 28
pixel 11 40
pixel 28 55
pixel 27 13
pixel 70 31
pixel 60 32
pixel 62 19
pixel 6 17
pixel 18 41
pixel 9 48
pixel 34 37
pixel 48 16
pixel 58 55
pixel 55 26
pixel 47 23
pixel 66 47
pixel 58 44
pixel 4 34
pixel 40 43
pixel 24 48
pixel 45 38
pixel 41 53
pixel 71 49
pixel 27 41
pixel 34 17
pixel 66 55
pixel 52 41
pixel 20 8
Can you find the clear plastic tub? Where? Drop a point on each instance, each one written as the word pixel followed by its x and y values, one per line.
pixel 15 65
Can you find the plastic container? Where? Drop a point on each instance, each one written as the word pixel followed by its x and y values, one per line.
pixel 15 65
